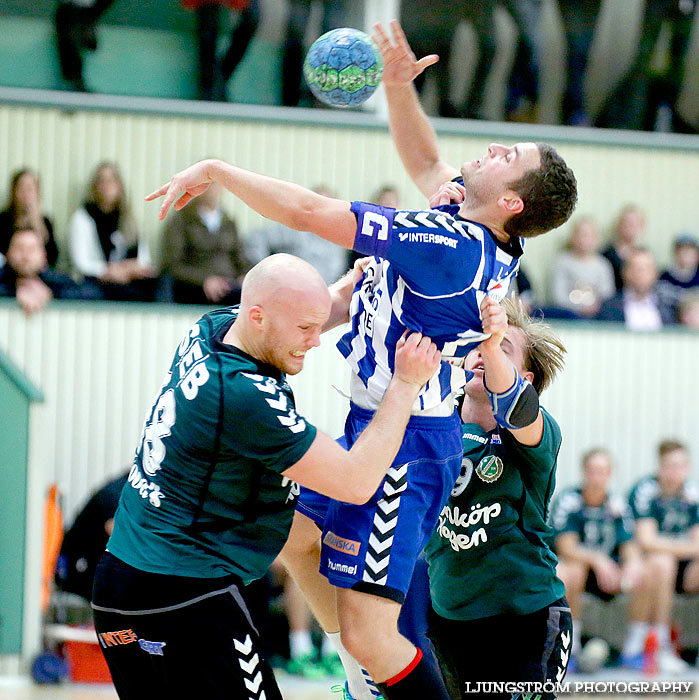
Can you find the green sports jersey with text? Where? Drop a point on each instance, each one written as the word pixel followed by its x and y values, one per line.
pixel 205 496
pixel 490 554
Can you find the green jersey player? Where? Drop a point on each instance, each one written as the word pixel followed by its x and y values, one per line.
pixel 498 609
pixel 209 500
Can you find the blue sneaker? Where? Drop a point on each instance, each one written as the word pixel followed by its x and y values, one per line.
pixel 633 661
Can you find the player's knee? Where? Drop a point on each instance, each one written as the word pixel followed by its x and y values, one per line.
pixel 573 575
pixel 662 565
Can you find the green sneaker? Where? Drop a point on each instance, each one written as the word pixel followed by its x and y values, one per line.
pixel 345 692
pixel 341 689
pixel 306 666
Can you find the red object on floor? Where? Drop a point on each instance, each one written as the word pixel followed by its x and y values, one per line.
pixel 650 654
pixel 86 663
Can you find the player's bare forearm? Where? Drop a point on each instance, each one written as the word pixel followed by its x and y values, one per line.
pixel 355 475
pixel 341 295
pixel 415 140
pixel 285 202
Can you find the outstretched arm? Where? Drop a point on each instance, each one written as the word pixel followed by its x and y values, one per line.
pixel 500 374
pixel 412 133
pixel 289 204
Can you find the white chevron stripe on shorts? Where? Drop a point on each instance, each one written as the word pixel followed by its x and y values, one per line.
pixel 384 526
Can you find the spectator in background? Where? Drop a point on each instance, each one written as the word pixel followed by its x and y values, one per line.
pixel 523 83
pixel 104 244
pixel 429 26
pixel 85 540
pixel 329 259
pixel 203 254
pixel 665 507
pixel 295 92
pixel 593 532
pixel 642 99
pixel 628 230
pixel 23 210
pixel 214 72
pixel 640 304
pixel 27 276
pixel 683 275
pixel 579 19
pixel 688 311
pixel 582 278
pixel 76 22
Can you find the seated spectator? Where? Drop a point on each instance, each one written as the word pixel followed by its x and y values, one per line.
pixel 688 311
pixel 628 230
pixel 85 540
pixel 640 304
pixel 202 252
pixel 582 277
pixel 23 210
pixel 329 259
pixel 665 507
pixel 104 244
pixel 27 275
pixel 684 273
pixel 593 540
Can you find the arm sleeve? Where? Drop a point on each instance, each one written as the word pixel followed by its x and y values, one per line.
pixel 273 432
pixel 432 252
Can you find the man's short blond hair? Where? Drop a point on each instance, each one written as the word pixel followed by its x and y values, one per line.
pixel 543 350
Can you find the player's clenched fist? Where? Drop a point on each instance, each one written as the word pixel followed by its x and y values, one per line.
pixel 417 358
pixel 494 320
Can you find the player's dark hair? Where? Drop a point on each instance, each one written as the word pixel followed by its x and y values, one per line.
pixel 549 193
pixel 667 446
pixel 543 349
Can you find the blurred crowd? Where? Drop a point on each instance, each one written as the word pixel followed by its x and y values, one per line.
pixel 645 97
pixel 204 257
pixel 645 546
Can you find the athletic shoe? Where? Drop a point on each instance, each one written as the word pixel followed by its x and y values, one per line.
pixel 346 693
pixel 341 689
pixel 670 663
pixel 573 666
pixel 593 655
pixel 306 666
pixel 635 662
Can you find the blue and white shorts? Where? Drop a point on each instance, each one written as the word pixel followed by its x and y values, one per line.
pixel 373 547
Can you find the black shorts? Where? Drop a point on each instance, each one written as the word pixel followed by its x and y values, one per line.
pixel 592 586
pixel 169 636
pixel 681 569
pixel 503 648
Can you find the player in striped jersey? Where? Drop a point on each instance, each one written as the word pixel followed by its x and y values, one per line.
pixel 430 271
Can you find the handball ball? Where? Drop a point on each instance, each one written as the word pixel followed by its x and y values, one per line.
pixel 343 67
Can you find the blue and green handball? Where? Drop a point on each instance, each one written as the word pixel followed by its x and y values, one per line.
pixel 343 67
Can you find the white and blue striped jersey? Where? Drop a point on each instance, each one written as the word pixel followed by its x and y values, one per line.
pixel 430 273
